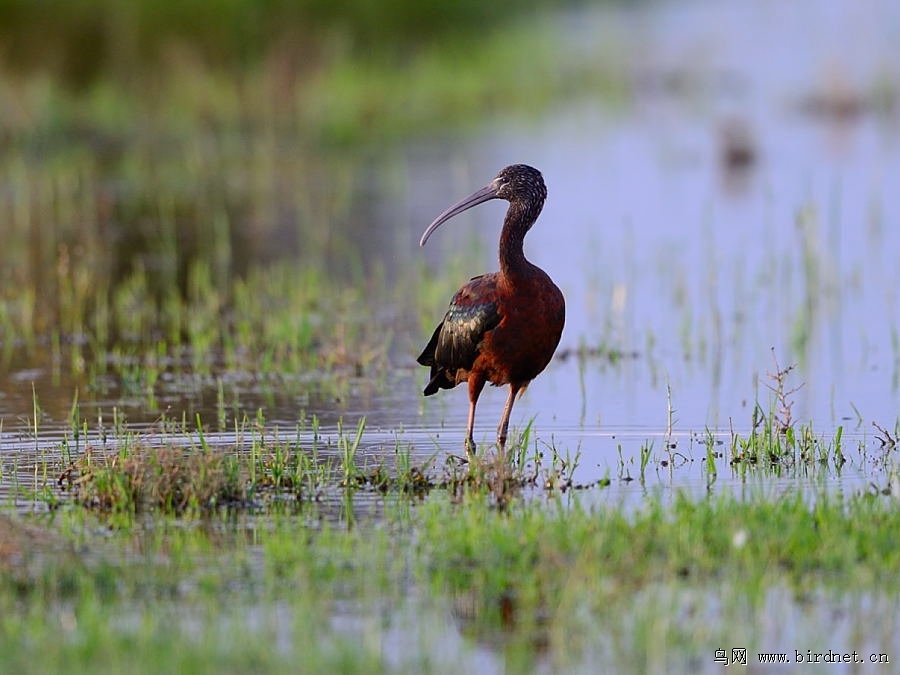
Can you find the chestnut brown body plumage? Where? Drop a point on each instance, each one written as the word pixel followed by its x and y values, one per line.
pixel 501 327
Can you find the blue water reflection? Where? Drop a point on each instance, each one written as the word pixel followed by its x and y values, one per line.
pixel 707 271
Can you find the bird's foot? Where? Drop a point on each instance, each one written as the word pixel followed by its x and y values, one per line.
pixel 501 446
pixel 470 449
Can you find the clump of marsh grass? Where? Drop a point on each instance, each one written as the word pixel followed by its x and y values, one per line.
pixel 181 473
pixel 526 465
pixel 166 479
pixel 777 442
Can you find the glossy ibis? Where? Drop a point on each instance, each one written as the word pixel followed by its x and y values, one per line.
pixel 501 327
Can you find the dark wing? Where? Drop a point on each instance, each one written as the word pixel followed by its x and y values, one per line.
pixel 456 341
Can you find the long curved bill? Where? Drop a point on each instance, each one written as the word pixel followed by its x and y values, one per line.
pixel 486 193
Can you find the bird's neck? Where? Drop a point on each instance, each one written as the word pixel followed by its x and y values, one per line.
pixel 518 219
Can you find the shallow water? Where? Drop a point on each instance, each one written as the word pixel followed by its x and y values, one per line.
pixel 708 271
pixel 696 272
pixel 701 273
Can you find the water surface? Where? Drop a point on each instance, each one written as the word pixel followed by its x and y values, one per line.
pixel 701 270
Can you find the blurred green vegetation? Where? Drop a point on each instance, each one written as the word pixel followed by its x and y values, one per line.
pixel 343 71
pixel 649 587
pixel 148 146
pixel 81 41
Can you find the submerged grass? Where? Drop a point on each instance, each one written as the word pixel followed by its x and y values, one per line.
pixel 164 479
pixel 230 555
pixel 173 467
pixel 562 583
pixel 173 470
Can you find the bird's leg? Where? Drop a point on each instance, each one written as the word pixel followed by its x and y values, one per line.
pixel 504 420
pixel 476 384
